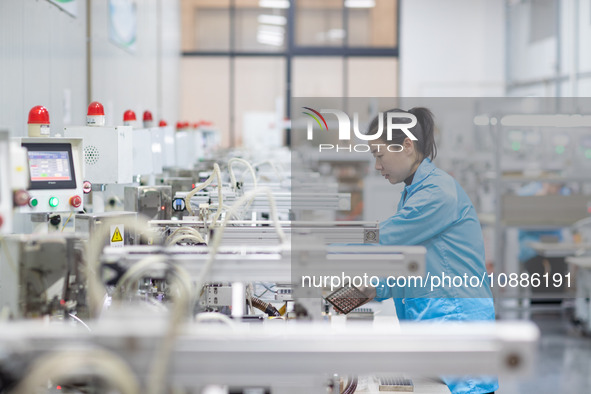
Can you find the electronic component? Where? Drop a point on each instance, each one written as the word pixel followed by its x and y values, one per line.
pixel 219 296
pixel 51 166
pixel 345 299
pixel 395 383
pixel 361 313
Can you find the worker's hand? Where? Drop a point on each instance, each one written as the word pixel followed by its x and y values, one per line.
pixel 369 292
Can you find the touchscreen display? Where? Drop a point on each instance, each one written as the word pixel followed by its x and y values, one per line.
pixel 49 166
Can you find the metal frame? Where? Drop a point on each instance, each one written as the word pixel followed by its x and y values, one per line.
pixel 274 263
pixel 279 355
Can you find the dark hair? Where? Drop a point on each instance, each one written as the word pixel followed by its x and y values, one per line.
pixel 424 130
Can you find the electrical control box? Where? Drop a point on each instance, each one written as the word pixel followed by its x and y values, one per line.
pixel 56 175
pixel 218 296
pixel 108 153
pixel 142 152
pixel 189 148
pixel 88 223
pixel 155 202
pixel 157 149
pixel 168 146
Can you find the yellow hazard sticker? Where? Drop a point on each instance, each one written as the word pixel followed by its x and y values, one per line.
pixel 117 232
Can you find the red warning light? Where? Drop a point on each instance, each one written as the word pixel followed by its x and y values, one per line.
pixel 38 115
pixel 129 116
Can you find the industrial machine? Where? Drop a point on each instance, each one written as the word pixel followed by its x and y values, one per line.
pixel 42 275
pixel 154 202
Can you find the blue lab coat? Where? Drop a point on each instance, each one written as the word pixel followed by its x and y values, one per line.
pixel 435 212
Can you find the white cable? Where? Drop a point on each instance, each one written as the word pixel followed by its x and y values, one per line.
pixel 96 289
pixel 183 230
pixel 66 364
pixel 220 199
pixel 273 166
pixel 133 273
pixel 76 318
pixel 225 208
pixel 217 236
pixel 198 188
pixel 187 237
pixel 247 164
pixel 214 316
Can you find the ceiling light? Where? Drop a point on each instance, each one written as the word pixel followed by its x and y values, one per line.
pixel 272 20
pixel 274 3
pixel 360 3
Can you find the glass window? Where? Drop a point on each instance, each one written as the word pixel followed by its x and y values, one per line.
pixel 205 25
pixel 259 101
pixel 372 77
pixel 260 29
pixel 319 23
pixel 372 23
pixel 205 92
pixel 317 77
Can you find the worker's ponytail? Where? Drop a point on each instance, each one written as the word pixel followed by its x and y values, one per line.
pixel 424 130
pixel 426 142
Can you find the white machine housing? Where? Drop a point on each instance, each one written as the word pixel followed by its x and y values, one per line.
pixel 5 186
pixel 157 135
pixel 168 146
pixel 108 153
pixel 211 138
pixel 42 191
pixel 189 147
pixel 142 151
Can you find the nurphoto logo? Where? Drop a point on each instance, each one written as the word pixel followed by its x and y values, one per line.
pixel 344 123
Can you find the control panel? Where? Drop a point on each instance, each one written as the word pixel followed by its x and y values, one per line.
pixel 56 175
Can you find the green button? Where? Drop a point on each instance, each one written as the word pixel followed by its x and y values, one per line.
pixel 54 202
pixel 33 202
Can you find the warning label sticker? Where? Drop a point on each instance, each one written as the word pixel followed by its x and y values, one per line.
pixel 117 232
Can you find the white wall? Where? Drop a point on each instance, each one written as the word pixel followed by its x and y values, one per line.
pixel 43 62
pixel 452 48
pixel 42 59
pixel 168 106
pixel 122 79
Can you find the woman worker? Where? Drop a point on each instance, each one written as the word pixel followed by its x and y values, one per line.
pixel 435 212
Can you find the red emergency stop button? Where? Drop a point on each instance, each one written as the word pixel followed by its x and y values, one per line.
pixel 75 201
